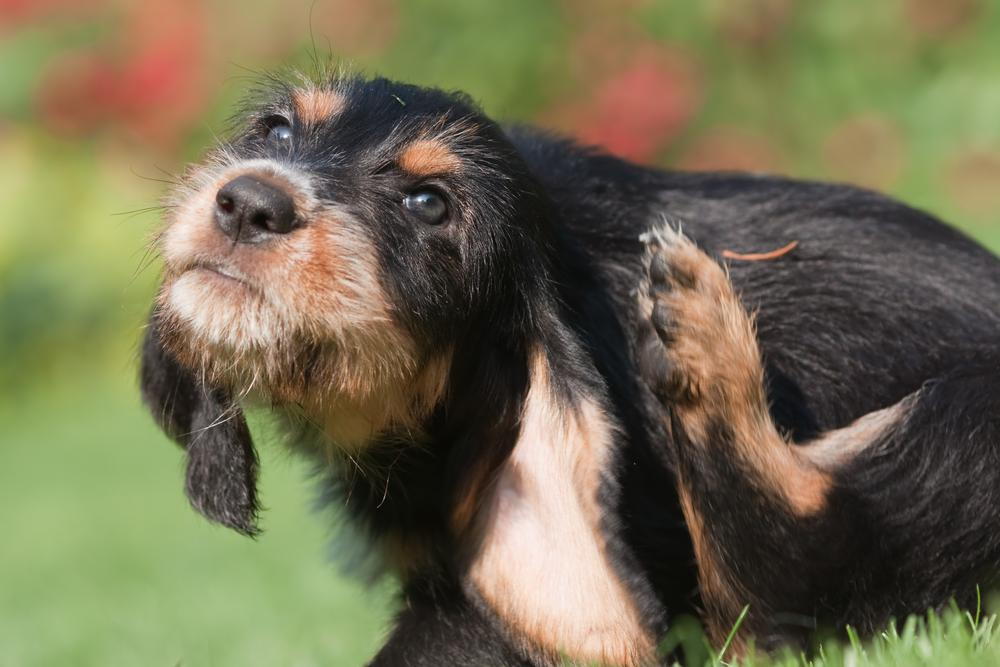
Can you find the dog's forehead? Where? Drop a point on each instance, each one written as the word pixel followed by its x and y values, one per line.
pixel 416 127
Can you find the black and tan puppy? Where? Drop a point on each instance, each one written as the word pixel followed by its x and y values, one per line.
pixel 558 434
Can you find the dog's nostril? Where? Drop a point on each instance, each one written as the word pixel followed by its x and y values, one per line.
pixel 248 209
pixel 225 202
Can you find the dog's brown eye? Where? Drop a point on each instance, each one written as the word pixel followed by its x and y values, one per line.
pixel 427 205
pixel 277 129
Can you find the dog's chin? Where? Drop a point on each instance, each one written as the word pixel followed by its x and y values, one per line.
pixel 221 310
pixel 232 335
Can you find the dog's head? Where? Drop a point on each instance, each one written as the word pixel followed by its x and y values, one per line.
pixel 326 259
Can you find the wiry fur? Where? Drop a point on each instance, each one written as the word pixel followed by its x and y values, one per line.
pixel 498 397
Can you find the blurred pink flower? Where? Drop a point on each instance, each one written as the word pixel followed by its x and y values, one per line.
pixel 162 86
pixel 76 92
pixel 635 112
pixel 149 84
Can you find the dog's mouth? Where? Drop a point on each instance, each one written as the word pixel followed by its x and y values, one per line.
pixel 219 276
pixel 217 271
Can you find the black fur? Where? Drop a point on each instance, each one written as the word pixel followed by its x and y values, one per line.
pixel 221 479
pixel 877 301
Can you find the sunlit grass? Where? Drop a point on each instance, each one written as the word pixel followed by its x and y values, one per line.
pixel 103 563
pixel 952 638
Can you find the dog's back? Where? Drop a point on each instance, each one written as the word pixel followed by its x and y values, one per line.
pixel 874 294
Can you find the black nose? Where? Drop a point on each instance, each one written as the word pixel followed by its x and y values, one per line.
pixel 249 209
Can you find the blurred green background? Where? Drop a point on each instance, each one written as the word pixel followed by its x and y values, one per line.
pixel 101 560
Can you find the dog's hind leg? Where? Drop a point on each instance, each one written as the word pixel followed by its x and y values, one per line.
pixel 891 514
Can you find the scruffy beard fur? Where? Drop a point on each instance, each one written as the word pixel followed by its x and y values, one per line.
pixel 302 324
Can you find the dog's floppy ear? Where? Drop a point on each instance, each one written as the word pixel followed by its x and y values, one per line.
pixel 222 463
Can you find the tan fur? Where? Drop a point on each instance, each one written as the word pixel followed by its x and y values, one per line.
pixel 720 372
pixel 835 448
pixel 539 557
pixel 351 422
pixel 317 105
pixel 718 593
pixel 428 157
pixel 471 497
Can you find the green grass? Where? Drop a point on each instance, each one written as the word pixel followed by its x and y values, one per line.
pixel 103 563
pixel 953 638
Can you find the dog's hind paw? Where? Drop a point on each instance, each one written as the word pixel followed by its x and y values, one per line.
pixel 697 343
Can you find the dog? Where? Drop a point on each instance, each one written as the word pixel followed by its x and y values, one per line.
pixel 565 397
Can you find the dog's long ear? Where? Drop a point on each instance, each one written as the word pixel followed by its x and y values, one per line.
pixel 222 463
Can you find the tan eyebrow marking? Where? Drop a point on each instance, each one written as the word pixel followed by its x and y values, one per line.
pixel 427 157
pixel 315 105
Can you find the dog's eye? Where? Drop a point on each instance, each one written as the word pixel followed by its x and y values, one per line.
pixel 277 129
pixel 427 204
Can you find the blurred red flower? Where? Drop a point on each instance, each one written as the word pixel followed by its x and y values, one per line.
pixel 75 93
pixel 150 82
pixel 637 110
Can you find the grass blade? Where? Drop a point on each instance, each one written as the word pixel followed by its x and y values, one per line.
pixel 732 635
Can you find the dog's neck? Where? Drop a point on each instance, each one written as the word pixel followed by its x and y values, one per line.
pixel 398 410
